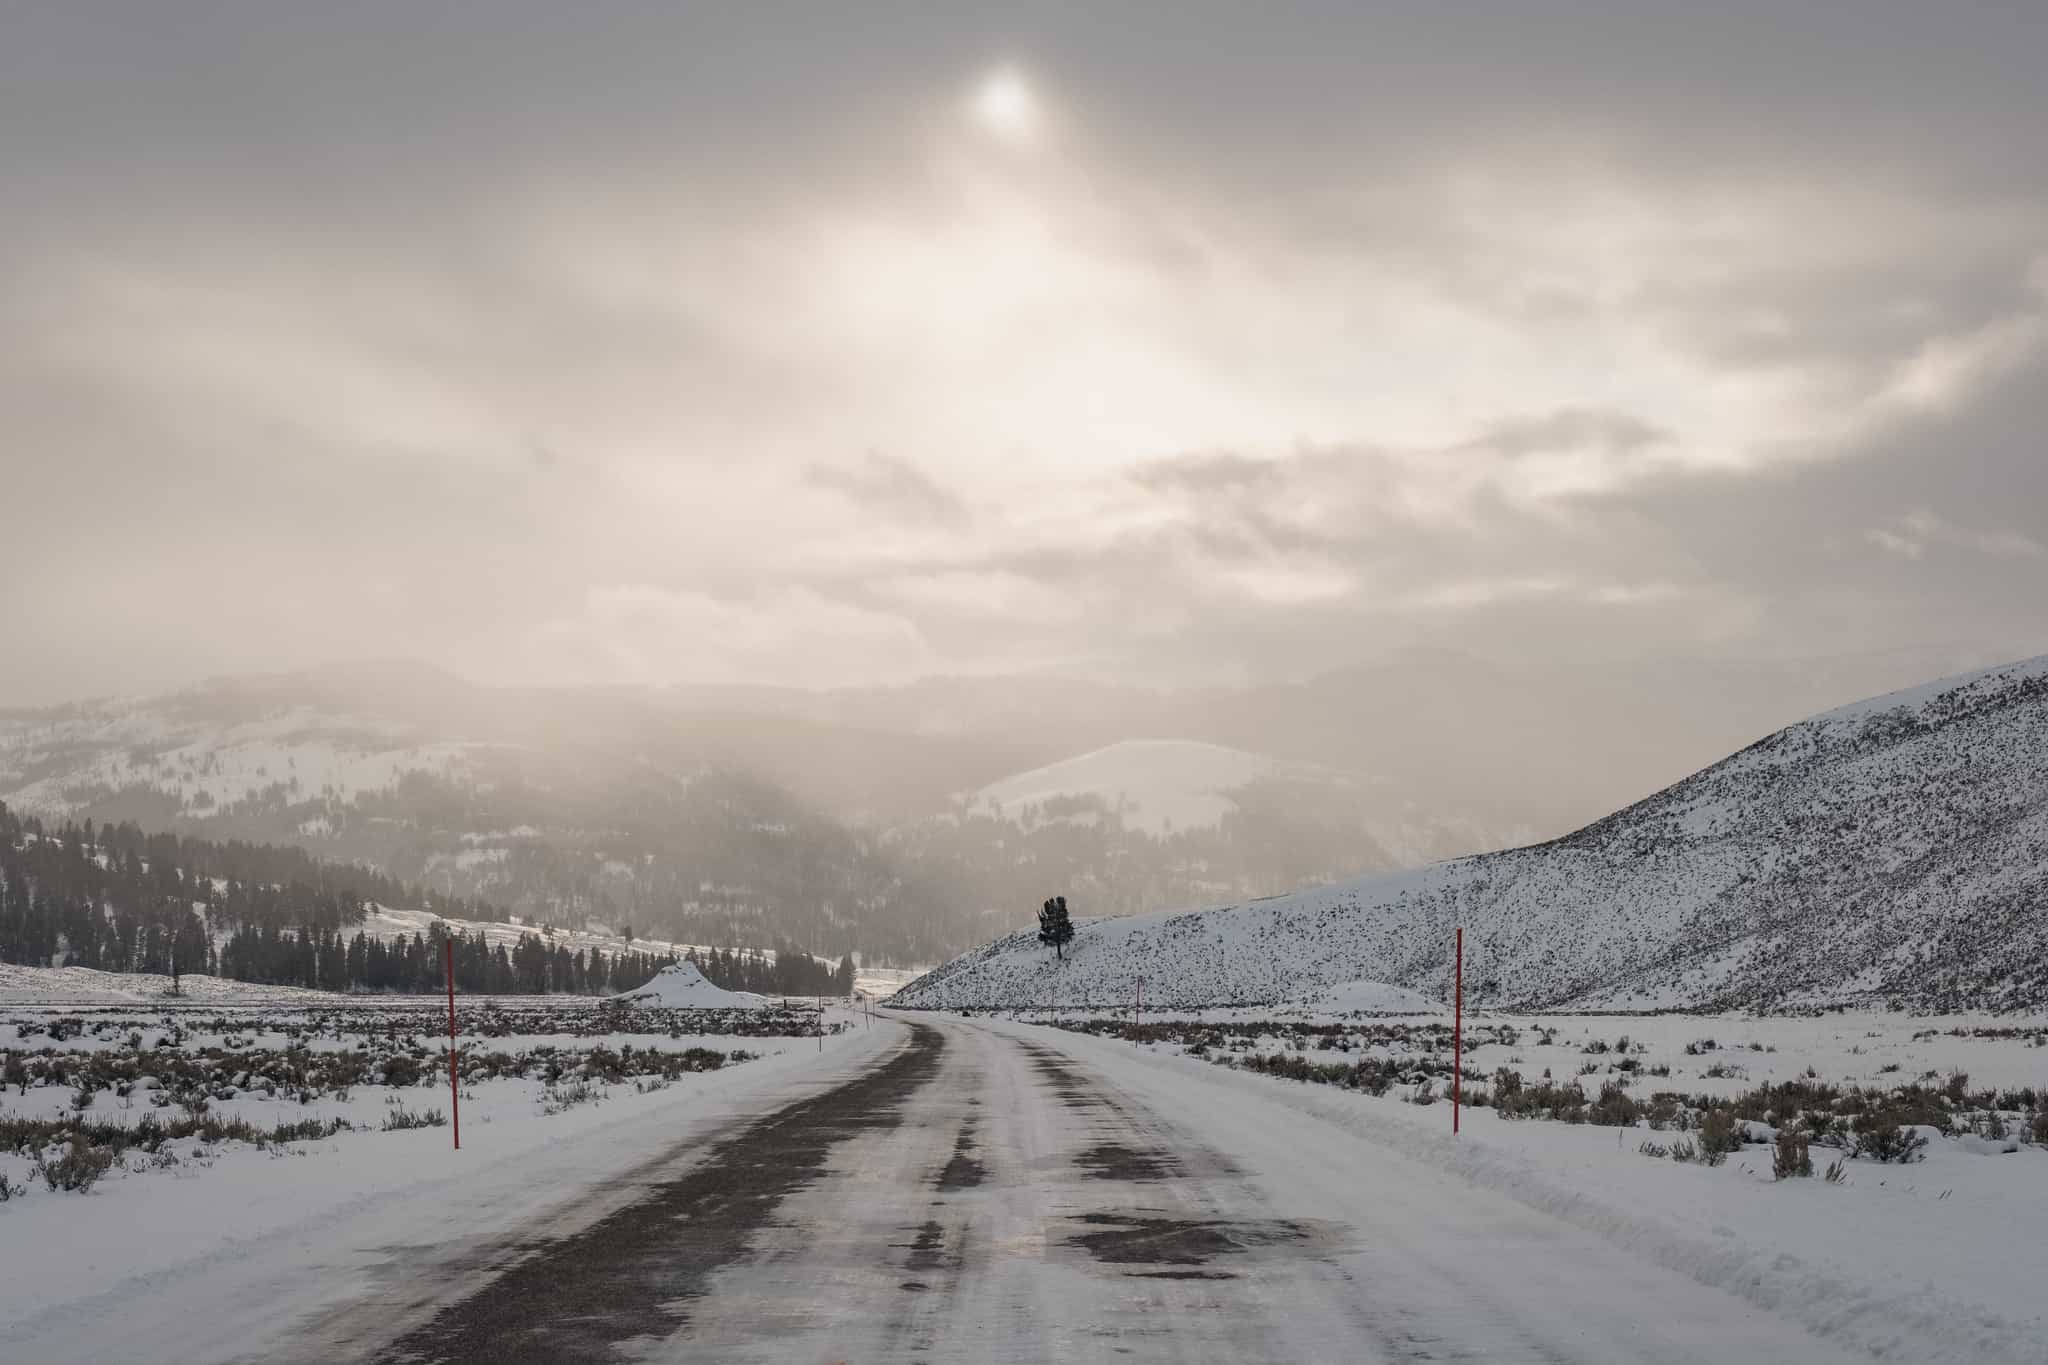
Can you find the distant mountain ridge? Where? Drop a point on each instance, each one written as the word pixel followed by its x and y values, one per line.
pixel 837 822
pixel 1894 850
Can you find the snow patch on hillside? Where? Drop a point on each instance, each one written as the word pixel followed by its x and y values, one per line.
pixel 386 923
pixel 1159 784
pixel 206 766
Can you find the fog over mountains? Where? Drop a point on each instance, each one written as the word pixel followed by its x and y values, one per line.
pixel 904 823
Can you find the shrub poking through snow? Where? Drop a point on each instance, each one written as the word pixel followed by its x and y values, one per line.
pixel 1793 1156
pixel 78 1169
pixel 401 1118
pixel 1615 1108
pixel 565 1096
pixel 1882 1138
pixel 1719 1136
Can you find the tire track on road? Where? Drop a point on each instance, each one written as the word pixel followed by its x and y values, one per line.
pixel 634 1273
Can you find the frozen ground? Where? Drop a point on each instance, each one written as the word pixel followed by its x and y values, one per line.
pixel 1938 1259
pixel 1005 1189
pixel 267 1143
pixel 84 986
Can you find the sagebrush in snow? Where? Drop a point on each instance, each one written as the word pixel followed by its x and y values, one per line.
pixel 79 1169
pixel 400 1118
pixel 1885 1139
pixel 1793 1156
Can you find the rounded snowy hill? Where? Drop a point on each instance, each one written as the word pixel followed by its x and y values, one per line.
pixel 1891 851
pixel 1158 785
pixel 680 986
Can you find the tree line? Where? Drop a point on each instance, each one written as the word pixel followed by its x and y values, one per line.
pixel 117 900
pixel 790 971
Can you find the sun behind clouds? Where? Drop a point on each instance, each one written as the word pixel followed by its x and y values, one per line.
pixel 1005 104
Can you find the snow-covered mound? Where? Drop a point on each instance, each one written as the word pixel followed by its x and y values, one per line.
pixel 1157 784
pixel 1895 850
pixel 681 986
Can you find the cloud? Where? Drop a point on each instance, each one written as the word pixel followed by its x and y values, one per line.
pixel 1911 535
pixel 644 633
pixel 889 488
pixel 538 348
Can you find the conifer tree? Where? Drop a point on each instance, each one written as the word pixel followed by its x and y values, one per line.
pixel 1055 929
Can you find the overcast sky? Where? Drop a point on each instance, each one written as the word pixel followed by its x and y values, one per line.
pixel 1182 343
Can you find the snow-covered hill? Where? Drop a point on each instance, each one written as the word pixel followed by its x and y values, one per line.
pixel 1894 850
pixel 388 923
pixel 558 807
pixel 203 763
pixel 1156 785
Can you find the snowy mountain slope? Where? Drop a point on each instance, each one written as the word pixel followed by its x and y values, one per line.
pixel 1895 849
pixel 201 764
pixel 1157 784
pixel 559 807
pixel 388 923
pixel 1162 788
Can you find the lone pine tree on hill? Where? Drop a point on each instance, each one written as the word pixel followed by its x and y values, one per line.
pixel 1055 930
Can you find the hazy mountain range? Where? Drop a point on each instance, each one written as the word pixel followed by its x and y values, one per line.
pixel 907 823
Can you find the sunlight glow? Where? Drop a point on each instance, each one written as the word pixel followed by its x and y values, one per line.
pixel 1005 105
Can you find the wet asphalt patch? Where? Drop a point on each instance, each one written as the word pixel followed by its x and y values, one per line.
pixel 1145 1241
pixel 924 1252
pixel 1114 1161
pixel 635 1272
pixel 1068 1085
pixel 964 1171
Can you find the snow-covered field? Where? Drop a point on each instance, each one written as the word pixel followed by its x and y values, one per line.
pixel 84 986
pixel 876 982
pixel 241 1124
pixel 1936 1258
pixel 226 1244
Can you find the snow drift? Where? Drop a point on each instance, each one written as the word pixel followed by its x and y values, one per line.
pixel 1893 851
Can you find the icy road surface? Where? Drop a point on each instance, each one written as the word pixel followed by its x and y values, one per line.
pixel 981 1194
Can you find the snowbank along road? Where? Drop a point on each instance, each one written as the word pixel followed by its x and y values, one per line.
pixel 984 1193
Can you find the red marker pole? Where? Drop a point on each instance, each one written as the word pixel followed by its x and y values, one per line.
pixel 1458 1038
pixel 454 1091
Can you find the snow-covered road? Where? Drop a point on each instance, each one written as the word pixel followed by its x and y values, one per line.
pixel 991 1191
